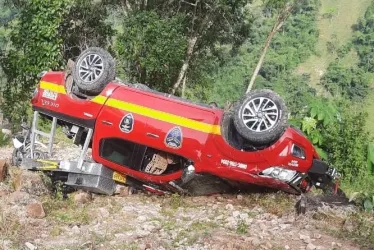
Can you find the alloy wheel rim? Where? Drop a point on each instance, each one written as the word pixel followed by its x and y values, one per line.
pixel 91 68
pixel 260 114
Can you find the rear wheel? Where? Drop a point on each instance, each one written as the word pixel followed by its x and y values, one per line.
pixel 94 68
pixel 261 117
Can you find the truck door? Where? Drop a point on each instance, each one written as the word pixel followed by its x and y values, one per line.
pixel 177 126
pixel 119 130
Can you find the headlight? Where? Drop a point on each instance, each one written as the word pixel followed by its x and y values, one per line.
pixel 298 151
pixel 278 173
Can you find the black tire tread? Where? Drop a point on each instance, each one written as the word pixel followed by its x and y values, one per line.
pixel 108 75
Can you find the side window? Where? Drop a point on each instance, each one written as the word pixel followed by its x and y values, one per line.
pixel 117 150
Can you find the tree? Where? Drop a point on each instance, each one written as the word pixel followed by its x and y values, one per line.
pixel 36 45
pixel 151 47
pixel 364 39
pixel 284 9
pixel 348 82
pixel 40 38
pixel 85 26
pixel 205 24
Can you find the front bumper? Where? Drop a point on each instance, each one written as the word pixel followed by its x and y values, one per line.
pixel 321 174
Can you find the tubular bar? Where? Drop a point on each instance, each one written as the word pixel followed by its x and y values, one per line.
pixel 35 132
pixel 84 149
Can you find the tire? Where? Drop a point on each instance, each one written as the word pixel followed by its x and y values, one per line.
pixel 229 132
pixel 37 154
pixel 17 157
pixel 92 79
pixel 265 125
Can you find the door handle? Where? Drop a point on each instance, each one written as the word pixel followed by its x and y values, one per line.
pixel 153 135
pixel 106 122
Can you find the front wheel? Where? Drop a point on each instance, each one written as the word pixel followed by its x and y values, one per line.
pixel 37 154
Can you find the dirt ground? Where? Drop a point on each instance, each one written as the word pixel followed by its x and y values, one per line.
pixel 147 221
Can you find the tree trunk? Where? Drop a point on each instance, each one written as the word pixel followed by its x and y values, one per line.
pixel 262 57
pixel 278 24
pixel 184 86
pixel 186 64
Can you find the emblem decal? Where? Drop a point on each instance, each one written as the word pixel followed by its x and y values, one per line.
pixel 174 138
pixel 127 123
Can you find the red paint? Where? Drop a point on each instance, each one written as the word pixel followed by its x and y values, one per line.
pixel 205 150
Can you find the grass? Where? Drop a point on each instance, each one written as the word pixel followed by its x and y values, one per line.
pixel 337 30
pixel 66 212
pixel 274 203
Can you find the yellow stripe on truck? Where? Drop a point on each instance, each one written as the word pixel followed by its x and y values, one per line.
pixel 100 99
pixel 141 110
pixel 52 87
pixel 163 116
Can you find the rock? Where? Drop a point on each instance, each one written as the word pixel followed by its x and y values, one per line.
pixel 3 170
pixel 243 216
pixel 286 247
pixel 35 210
pixel 30 182
pixel 348 225
pixel 119 235
pixel 142 218
pixel 122 190
pixel 310 246
pixel 303 237
pixel 19 198
pixel 229 207
pixel 317 236
pixel 104 212
pixel 6 131
pixel 30 246
pixel 239 197
pixel 81 197
pixel 219 198
pixel 255 241
pixel 219 217
pixel 236 213
pixel 3 193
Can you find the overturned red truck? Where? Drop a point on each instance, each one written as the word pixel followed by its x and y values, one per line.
pixel 164 143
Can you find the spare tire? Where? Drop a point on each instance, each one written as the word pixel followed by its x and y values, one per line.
pixel 261 117
pixel 93 70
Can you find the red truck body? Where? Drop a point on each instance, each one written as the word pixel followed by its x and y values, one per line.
pixel 198 133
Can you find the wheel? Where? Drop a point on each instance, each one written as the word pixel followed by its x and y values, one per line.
pixel 93 70
pixel 17 157
pixel 261 117
pixel 37 154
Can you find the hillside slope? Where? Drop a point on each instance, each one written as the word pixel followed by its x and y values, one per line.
pixel 335 25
